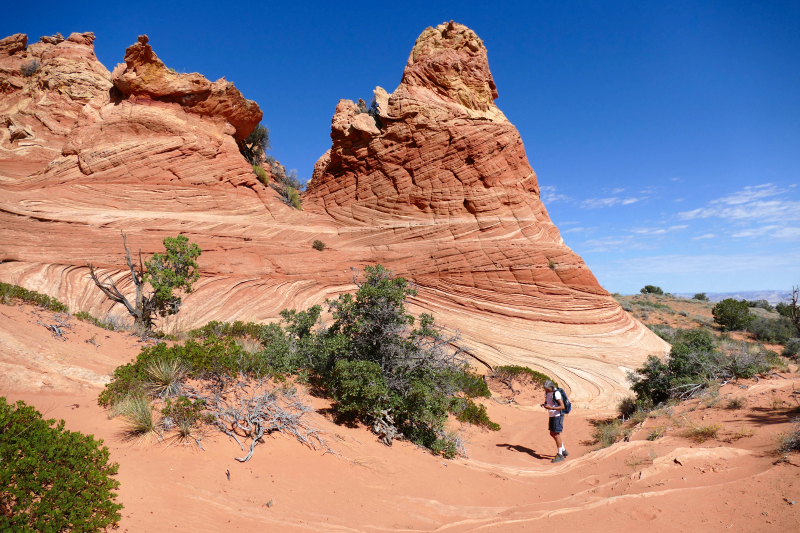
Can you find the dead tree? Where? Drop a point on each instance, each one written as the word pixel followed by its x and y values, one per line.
pixel 795 310
pixel 139 309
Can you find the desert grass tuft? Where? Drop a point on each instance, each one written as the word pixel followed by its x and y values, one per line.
pixel 165 377
pixel 703 433
pixel 607 432
pixel 140 425
pixel 790 441
pixel 736 403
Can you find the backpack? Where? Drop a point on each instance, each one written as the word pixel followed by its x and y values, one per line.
pixel 567 403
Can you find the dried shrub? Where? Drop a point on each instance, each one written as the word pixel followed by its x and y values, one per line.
pixel 790 441
pixel 30 68
pixel 318 245
pixel 607 432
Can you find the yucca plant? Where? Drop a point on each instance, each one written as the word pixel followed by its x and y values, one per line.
pixel 165 377
pixel 139 421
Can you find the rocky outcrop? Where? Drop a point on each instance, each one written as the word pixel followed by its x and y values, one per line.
pixel 43 88
pixel 435 185
pixel 143 74
pixel 438 184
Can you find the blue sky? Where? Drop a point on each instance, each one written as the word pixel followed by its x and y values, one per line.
pixel 666 138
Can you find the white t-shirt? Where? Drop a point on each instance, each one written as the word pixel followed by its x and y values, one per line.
pixel 551 399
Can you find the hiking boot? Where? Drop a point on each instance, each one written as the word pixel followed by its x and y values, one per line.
pixel 565 453
pixel 558 458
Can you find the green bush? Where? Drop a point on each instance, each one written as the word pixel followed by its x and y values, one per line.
pixel 700 296
pixel 772 330
pixel 784 309
pixel 652 289
pixel 792 348
pixel 52 479
pixel 293 197
pixel 732 315
pixel 693 363
pixel 472 413
pixel 510 372
pixel 318 245
pixel 261 174
pixel 763 304
pixel 10 292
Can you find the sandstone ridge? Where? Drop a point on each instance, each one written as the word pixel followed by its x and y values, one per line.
pixel 435 185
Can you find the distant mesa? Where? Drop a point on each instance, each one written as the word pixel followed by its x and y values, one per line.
pixel 434 184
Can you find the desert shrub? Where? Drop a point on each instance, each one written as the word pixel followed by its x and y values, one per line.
pixel 763 304
pixel 665 332
pixel 551 264
pixel 792 348
pixel 736 403
pixel 52 479
pixel 703 433
pixel 293 197
pixel 261 174
pixel 86 317
pixel 700 296
pixel 607 432
pixel 30 68
pixel 139 421
pixel 184 415
pixel 472 413
pixel 772 330
pixel 731 314
pixel 255 146
pixel 10 292
pixel 318 245
pixel 509 372
pixel 654 305
pixel 784 309
pixel 693 363
pixel 657 432
pixel 652 289
pixel 377 362
pixel 790 441
pixel 627 306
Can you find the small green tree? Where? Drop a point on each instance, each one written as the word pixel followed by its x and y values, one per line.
pixel 52 479
pixel 652 289
pixel 700 296
pixel 732 314
pixel 175 270
pixel 254 147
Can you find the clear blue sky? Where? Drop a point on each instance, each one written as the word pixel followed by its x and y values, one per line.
pixel 666 135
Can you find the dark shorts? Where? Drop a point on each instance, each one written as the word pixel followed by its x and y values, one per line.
pixel 556 424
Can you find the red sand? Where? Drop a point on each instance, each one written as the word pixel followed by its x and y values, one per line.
pixel 506 484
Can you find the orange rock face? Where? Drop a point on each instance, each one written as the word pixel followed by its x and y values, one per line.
pixel 438 189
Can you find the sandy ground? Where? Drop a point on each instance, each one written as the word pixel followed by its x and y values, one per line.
pixel 734 482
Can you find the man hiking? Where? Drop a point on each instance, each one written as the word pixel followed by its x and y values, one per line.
pixel 554 403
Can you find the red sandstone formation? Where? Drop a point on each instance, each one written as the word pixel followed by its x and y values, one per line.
pixel 439 190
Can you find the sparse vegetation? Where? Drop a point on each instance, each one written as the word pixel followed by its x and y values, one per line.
pixel 521 373
pixel 398 374
pixel 53 479
pixel 736 403
pixel 551 264
pixel 657 432
pixel 318 245
pixel 9 293
pixel 652 289
pixel 174 270
pixel 790 441
pixel 607 432
pixel 255 146
pixel 703 433
pixel 86 317
pixel 732 314
pixel 694 363
pixel 700 296
pixel 261 174
pixel 30 68
pixel 772 330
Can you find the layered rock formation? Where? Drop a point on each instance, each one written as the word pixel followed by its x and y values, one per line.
pixel 435 185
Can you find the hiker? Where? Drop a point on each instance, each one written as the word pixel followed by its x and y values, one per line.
pixel 555 404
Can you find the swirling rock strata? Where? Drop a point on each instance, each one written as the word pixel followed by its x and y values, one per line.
pixel 435 185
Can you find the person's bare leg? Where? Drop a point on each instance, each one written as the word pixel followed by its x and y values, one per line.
pixel 557 437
